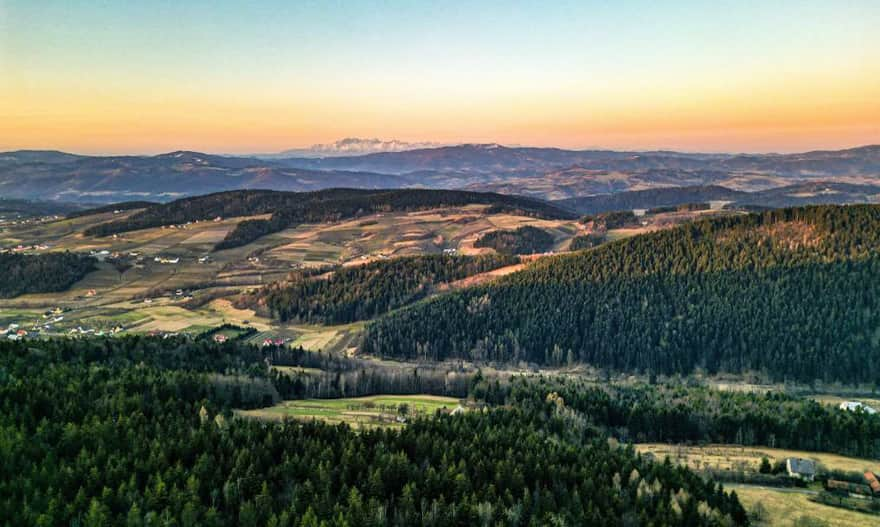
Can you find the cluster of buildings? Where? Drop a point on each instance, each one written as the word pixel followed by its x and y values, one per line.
pixel 14 332
pixel 220 338
pixel 805 470
pixel 24 248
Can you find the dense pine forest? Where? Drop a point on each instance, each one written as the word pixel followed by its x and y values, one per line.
pixel 524 240
pixel 650 198
pixel 41 273
pixel 288 209
pixel 131 432
pixel 365 291
pixel 679 413
pixel 792 293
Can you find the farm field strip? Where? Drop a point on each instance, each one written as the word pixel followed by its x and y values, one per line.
pixel 748 457
pixel 360 412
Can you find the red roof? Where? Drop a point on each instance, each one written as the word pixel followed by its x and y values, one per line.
pixel 872 481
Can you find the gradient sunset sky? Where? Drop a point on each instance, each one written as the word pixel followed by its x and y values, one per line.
pixel 238 77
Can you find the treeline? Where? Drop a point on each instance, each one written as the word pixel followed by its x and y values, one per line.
pixel 523 240
pixel 41 273
pixel 93 439
pixel 678 413
pixel 288 209
pixel 365 291
pixel 612 220
pixel 586 241
pixel 791 293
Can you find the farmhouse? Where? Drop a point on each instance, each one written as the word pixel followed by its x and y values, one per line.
pixel 804 469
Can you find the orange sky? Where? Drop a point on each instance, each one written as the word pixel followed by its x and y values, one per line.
pixel 110 86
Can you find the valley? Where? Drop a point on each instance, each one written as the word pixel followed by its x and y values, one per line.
pixel 331 323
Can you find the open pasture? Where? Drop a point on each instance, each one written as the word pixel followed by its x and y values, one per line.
pixel 785 507
pixel 748 458
pixel 359 412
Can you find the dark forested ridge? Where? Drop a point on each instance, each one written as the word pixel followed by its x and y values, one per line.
pixel 793 293
pixel 365 291
pixel 41 273
pixel 523 240
pixel 291 208
pixel 103 432
pixel 650 198
pixel 677 413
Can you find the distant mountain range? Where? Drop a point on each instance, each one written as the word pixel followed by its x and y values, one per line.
pixel 59 176
pixel 350 146
pixel 547 173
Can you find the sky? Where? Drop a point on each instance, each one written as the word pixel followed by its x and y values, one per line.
pixel 106 77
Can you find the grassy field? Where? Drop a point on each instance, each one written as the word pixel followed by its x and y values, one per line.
pixel 747 458
pixel 835 400
pixel 783 508
pixel 359 412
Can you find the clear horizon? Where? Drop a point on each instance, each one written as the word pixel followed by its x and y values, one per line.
pixel 233 78
pixel 598 148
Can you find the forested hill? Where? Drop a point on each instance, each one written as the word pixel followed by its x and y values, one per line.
pixel 794 293
pixel 291 208
pixel 41 273
pixel 365 291
pixel 134 431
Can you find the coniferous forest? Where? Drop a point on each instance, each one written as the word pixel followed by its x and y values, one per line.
pixel 792 293
pixel 524 240
pixel 41 273
pixel 132 432
pixel 365 291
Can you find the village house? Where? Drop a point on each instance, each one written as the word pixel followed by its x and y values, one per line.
pixel 871 480
pixel 854 406
pixel 800 468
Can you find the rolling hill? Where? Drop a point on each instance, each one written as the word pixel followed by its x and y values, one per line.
pixel 548 173
pixel 291 208
pixel 791 293
pixel 810 193
pixel 58 176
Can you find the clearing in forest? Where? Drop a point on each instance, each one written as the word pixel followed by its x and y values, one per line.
pixel 359 412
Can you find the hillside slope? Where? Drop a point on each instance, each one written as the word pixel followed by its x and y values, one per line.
pixel 793 293
pixel 59 176
pixel 291 208
pixel 549 173
pixel 799 194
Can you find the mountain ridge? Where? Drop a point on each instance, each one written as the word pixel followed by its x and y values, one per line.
pixel 548 173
